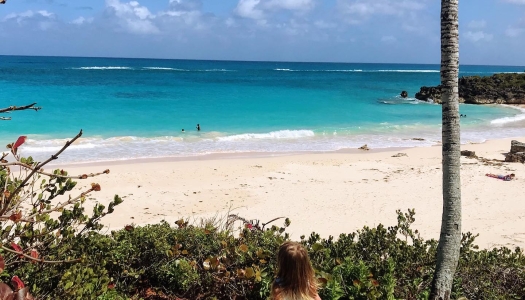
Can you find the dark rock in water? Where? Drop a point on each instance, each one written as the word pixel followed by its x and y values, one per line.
pixel 404 94
pixel 515 157
pixel 516 147
pixel 429 94
pixel 468 153
pixel 418 139
pixel 507 88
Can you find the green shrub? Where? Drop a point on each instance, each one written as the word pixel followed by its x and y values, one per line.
pixel 210 262
pixel 177 276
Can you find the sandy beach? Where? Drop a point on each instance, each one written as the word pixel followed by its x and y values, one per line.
pixel 329 193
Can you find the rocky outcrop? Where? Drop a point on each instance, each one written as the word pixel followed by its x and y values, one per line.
pixel 404 94
pixel 495 89
pixel 516 147
pixel 468 153
pixel 517 152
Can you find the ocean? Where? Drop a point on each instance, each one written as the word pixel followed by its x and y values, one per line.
pixel 137 108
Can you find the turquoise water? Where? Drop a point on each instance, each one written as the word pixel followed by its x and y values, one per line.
pixel 136 108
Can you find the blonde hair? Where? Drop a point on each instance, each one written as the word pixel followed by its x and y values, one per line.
pixel 295 276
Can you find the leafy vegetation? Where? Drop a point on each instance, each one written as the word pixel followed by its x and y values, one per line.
pixel 211 261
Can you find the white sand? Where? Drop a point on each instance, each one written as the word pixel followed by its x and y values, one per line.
pixel 330 193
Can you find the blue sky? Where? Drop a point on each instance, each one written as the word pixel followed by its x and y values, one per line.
pixel 398 31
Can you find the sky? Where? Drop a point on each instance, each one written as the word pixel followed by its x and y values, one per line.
pixel 377 31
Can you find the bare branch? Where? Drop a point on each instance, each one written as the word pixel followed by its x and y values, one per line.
pixel 38 167
pixel 59 207
pixel 40 260
pixel 83 176
pixel 13 108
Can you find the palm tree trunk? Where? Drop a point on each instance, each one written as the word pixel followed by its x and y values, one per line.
pixel 450 236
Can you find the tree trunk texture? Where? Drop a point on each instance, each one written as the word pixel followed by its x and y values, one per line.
pixel 450 236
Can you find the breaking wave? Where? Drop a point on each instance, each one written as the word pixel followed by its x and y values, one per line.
pixel 103 68
pixel 506 120
pixel 281 134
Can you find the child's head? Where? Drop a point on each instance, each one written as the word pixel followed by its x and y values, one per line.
pixel 295 275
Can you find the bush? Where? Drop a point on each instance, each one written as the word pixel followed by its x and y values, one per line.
pixel 212 262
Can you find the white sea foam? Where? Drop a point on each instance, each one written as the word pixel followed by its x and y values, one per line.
pixel 165 69
pixel 103 68
pixel 282 70
pixel 281 134
pixel 410 71
pixel 506 120
pixel 218 70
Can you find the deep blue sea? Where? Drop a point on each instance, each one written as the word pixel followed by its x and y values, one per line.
pixel 137 108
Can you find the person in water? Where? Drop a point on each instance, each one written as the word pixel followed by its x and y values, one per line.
pixel 182 129
pixel 295 275
pixel 198 127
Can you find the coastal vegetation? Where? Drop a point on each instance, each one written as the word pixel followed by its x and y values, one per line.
pixel 42 216
pixel 503 88
pixel 216 260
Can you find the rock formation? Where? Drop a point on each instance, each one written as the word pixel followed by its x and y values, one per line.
pixel 496 89
pixel 404 94
pixel 517 152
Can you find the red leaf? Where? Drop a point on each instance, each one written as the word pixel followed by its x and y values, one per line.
pixel 2 264
pixel 16 217
pixel 111 285
pixel 374 282
pixel 17 283
pixel 34 253
pixel 129 228
pixel 18 143
pixel 17 249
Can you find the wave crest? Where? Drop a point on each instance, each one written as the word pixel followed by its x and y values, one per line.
pixel 103 68
pixel 281 134
pixel 516 118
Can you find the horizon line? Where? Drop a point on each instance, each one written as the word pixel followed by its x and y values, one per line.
pixel 232 60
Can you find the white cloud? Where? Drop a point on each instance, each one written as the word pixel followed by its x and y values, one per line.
pixel 248 9
pixel 29 15
pixel 476 36
pixel 514 32
pixel 367 8
pixel 477 24
pixel 41 19
pixel 132 17
pixel 185 5
pixel 81 20
pixel 388 39
pixel 300 5
pixel 261 9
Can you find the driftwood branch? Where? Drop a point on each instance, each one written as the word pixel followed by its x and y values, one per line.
pixel 39 259
pixel 25 107
pixel 35 170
